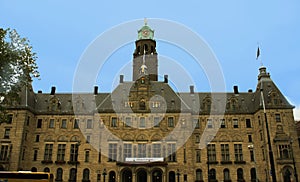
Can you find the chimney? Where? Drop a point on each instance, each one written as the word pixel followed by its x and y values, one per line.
pixel 52 90
pixel 236 89
pixel 192 89
pixel 121 78
pixel 95 90
pixel 166 80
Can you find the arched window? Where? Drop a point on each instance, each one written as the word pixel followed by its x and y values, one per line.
pixel 240 174
pixel 86 175
pixel 212 174
pixel 59 174
pixel 33 169
pixel 199 175
pixel 253 174
pixel 47 170
pixel 142 104
pixel 112 176
pixel 226 175
pixel 287 174
pixel 72 176
pixel 172 176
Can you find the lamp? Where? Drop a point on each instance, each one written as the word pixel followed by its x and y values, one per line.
pixel 178 174
pixel 104 174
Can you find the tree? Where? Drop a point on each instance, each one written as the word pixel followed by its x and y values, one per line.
pixel 17 67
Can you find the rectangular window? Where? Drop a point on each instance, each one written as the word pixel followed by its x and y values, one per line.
pixel 156 121
pixel 251 155
pixel 170 122
pixel 209 123
pixel 39 123
pixel 35 154
pixel 112 152
pixel 98 177
pixel 73 152
pixel 277 118
pixel 113 122
pixel 248 123
pixel 156 150
pixel 185 178
pixel 61 152
pixel 142 150
pixel 9 118
pixel 64 123
pixel 28 121
pixel 128 122
pixel 4 153
pixel 142 122
pixel 37 138
pixel 76 123
pixel 238 152
pixel 196 123
pixel 197 138
pixel 223 125
pixel 284 151
pixel 225 152
pixel 198 156
pixel 99 156
pixel 48 152
pixel 172 152
pixel 87 156
pixel 51 123
pixel 235 123
pixel 211 149
pixel 127 150
pixel 6 133
pixel 88 139
pixel 89 124
pixel 250 138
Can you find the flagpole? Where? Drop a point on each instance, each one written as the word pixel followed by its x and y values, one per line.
pixel 271 156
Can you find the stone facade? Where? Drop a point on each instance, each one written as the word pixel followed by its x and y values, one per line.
pixel 144 131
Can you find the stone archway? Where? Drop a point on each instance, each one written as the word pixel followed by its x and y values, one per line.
pixel 287 173
pixel 156 175
pixel 126 175
pixel 141 176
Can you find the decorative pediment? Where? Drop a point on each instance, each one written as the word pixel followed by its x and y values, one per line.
pixel 75 138
pixel 62 138
pixel 54 104
pixel 141 137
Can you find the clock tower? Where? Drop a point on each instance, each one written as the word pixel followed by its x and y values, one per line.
pixel 145 60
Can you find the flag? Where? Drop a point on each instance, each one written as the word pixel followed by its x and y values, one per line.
pixel 257 53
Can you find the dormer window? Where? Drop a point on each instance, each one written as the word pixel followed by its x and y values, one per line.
pixel 129 104
pixel 142 104
pixel 155 104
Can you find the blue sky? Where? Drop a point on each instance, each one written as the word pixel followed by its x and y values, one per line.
pixel 61 30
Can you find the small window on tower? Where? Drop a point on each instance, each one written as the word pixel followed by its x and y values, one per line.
pixel 142 104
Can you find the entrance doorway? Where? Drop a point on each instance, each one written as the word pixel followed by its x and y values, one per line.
pixel 127 175
pixel 157 176
pixel 141 176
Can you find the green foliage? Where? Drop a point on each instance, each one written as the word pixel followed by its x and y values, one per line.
pixel 17 66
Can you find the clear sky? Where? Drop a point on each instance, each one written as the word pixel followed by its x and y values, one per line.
pixel 61 30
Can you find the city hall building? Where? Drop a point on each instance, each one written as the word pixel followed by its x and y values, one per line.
pixel 144 131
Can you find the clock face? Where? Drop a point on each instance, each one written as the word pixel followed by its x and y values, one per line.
pixel 145 33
